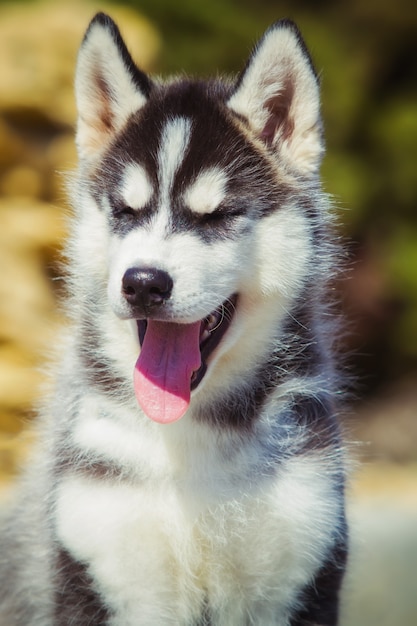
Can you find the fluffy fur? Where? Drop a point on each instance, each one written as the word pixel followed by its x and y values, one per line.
pixel 232 515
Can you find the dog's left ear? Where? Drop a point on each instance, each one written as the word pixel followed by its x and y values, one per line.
pixel 278 93
pixel 109 87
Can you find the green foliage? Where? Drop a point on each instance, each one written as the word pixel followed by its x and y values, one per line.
pixel 401 266
pixel 200 36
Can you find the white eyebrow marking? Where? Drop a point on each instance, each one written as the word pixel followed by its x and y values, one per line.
pixel 174 142
pixel 207 192
pixel 136 187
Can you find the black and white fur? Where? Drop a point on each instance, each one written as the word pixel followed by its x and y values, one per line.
pixel 233 515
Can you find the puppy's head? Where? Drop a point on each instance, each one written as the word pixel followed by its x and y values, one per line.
pixel 194 201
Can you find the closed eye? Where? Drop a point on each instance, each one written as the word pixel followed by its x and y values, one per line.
pixel 124 210
pixel 222 214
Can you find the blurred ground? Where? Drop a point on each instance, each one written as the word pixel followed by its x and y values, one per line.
pixel 36 148
pixel 381 585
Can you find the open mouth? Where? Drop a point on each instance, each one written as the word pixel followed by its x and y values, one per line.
pixel 174 359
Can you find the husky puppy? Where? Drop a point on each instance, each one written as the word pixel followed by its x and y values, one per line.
pixel 190 470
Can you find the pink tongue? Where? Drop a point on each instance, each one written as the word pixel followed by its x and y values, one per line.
pixel 162 378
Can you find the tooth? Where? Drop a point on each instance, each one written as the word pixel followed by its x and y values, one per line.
pixel 205 335
pixel 211 320
pixel 215 319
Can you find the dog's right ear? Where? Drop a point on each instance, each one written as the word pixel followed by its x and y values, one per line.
pixel 108 86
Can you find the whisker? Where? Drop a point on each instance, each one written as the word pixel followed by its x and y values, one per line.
pixel 222 316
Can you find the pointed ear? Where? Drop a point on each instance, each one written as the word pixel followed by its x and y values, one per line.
pixel 108 86
pixel 278 93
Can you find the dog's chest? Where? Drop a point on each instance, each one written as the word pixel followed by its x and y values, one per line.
pixel 160 553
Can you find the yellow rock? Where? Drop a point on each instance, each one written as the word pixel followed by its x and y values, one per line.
pixel 38 48
pixel 30 234
pixel 22 181
pixel 11 146
pixel 29 224
pixel 14 451
pixel 21 381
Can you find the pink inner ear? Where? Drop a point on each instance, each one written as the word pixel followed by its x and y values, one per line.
pixel 279 121
pixel 269 132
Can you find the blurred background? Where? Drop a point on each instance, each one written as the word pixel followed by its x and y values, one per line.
pixel 366 55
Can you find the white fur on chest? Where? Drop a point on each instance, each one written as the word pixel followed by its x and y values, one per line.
pixel 157 558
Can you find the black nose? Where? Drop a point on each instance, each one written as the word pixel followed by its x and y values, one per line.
pixel 146 287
